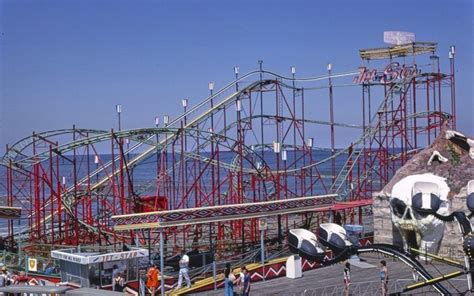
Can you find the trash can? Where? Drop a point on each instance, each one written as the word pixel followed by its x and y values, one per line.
pixel 294 267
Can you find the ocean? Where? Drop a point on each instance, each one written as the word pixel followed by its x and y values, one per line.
pixel 145 181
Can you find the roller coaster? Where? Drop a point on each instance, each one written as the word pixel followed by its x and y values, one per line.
pixel 253 140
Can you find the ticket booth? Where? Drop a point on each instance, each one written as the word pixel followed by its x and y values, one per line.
pixel 354 232
pixel 92 268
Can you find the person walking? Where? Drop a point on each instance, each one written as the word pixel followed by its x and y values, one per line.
pixel 384 277
pixel 152 279
pixel 183 270
pixel 246 283
pixel 347 278
pixel 229 279
pixel 241 280
pixel 3 280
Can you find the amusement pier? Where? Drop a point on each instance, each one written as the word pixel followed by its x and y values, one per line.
pixel 244 178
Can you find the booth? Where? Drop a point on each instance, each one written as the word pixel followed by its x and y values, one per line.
pixel 354 232
pixel 92 267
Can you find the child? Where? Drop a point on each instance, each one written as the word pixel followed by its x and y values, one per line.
pixel 384 277
pixel 152 279
pixel 347 278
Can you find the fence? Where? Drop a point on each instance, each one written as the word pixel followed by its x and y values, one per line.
pixel 374 288
pixel 44 266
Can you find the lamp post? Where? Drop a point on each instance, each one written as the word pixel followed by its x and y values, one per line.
pixel 211 93
pixel 331 119
pixel 262 226
pixel 236 72
pixel 184 103
pixel 118 108
pixel 162 263
pixel 277 151
pixel 452 53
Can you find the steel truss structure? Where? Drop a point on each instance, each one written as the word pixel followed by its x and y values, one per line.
pixel 253 140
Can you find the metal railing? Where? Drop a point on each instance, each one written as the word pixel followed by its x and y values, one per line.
pixel 359 288
pixel 44 266
pixel 372 288
pixel 215 268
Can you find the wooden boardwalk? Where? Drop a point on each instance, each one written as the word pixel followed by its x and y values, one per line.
pixel 329 280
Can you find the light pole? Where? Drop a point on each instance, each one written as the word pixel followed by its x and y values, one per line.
pixel 262 225
pixel 20 237
pixel 452 53
pixel 157 124
pixel 118 108
pixel 236 72
pixel 277 150
pixel 162 262
pixel 184 102
pixel 211 92
pixel 331 119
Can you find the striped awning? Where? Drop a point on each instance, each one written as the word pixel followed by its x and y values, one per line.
pixel 163 219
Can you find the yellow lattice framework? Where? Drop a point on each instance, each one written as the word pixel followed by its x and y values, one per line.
pixel 408 49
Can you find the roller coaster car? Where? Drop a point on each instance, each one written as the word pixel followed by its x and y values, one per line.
pixel 151 204
pixel 334 237
pixel 470 195
pixel 425 198
pixel 304 243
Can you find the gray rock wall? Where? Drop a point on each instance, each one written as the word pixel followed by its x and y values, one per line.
pixel 384 231
pixel 451 245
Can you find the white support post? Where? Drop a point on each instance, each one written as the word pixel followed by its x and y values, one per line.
pixel 162 263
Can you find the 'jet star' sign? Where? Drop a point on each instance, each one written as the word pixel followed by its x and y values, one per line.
pixel 394 71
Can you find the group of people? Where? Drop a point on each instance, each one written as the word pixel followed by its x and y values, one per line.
pixel 383 277
pixel 153 283
pixel 17 278
pixel 243 282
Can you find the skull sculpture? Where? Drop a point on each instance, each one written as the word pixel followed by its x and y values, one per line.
pixel 419 230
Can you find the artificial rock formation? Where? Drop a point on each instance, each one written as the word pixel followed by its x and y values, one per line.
pixel 452 177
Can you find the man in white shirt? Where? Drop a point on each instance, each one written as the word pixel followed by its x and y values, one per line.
pixel 183 270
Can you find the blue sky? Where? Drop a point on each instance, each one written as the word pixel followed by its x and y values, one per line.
pixel 70 62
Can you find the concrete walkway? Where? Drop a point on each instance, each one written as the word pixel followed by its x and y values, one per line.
pixel 365 281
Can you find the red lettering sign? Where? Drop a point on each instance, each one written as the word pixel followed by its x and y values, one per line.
pixel 391 73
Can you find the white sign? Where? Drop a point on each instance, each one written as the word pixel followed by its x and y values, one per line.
pixel 96 258
pixel 398 37
pixel 69 257
pixel 118 256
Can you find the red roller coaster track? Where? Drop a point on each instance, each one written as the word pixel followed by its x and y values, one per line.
pixel 254 140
